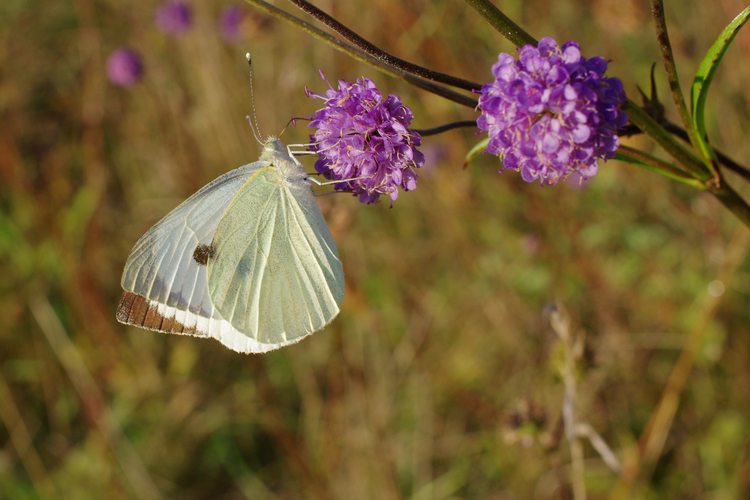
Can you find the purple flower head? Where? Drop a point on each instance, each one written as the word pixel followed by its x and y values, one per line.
pixel 365 138
pixel 230 21
pixel 551 112
pixel 124 67
pixel 174 17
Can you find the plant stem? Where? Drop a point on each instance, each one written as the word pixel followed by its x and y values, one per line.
pixel 656 165
pixel 362 56
pixel 584 429
pixel 443 128
pixel 662 35
pixel 732 200
pixel 137 476
pixel 725 160
pixel 653 129
pixel 502 23
pixel 572 349
pixel 653 438
pixel 674 129
pixel 380 54
pixel 716 185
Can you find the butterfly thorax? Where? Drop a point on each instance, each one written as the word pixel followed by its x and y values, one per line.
pixel 277 155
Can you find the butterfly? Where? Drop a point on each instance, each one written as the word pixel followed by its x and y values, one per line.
pixel 247 260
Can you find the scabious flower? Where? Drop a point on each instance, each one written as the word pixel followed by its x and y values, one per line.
pixel 551 112
pixel 230 21
pixel 174 17
pixel 364 140
pixel 124 67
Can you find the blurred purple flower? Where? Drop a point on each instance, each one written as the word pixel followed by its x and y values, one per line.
pixel 174 17
pixel 360 134
pixel 530 243
pixel 124 67
pixel 230 20
pixel 435 153
pixel 551 112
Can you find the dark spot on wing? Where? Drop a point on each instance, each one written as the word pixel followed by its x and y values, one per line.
pixel 202 253
pixel 244 266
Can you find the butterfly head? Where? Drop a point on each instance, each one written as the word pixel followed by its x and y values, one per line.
pixel 273 148
pixel 277 153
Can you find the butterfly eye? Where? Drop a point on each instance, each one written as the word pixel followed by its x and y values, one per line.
pixel 202 253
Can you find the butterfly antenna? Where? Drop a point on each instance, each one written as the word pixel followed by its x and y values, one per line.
pixel 254 126
pixel 292 121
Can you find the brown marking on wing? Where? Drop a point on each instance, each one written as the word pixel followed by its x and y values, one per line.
pixel 136 310
pixel 202 253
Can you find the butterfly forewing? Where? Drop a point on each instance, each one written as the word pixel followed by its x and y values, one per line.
pixel 166 289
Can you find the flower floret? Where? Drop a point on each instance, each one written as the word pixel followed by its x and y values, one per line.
pixel 364 140
pixel 551 112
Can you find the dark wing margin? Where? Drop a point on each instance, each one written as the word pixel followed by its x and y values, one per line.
pixel 139 311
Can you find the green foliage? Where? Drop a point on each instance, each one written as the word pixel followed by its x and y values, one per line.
pixel 439 377
pixel 704 75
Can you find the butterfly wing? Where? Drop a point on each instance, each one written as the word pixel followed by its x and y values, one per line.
pixel 276 275
pixel 166 288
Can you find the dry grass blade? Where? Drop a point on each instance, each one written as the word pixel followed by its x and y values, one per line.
pixel 22 443
pixel 137 476
pixel 653 438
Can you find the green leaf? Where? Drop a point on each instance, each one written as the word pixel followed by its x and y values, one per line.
pixel 653 164
pixel 702 80
pixel 476 151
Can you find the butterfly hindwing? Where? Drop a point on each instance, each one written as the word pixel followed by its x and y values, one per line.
pixel 276 277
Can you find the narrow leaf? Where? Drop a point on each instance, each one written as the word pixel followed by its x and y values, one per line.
pixel 476 151
pixel 705 73
pixel 655 165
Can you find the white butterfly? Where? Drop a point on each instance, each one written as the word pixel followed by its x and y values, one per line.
pixel 248 260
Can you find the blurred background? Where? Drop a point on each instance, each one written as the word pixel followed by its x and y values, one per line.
pixel 441 376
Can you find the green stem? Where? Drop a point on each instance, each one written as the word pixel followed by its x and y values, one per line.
pixel 502 23
pixel 724 160
pixel 733 201
pixel 680 153
pixel 662 35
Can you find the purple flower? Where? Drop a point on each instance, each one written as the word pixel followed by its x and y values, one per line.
pixel 364 138
pixel 551 112
pixel 230 21
pixel 124 67
pixel 174 17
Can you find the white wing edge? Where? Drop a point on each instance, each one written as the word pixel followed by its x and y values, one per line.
pixel 136 310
